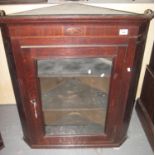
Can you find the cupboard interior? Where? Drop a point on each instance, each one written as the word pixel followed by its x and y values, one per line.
pixel 74 94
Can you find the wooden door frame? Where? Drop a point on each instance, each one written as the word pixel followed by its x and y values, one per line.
pixel 30 56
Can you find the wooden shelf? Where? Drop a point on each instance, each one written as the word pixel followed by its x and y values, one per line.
pixel 73 94
pixel 98 67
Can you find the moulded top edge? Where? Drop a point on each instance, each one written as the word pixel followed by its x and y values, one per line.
pixel 75 12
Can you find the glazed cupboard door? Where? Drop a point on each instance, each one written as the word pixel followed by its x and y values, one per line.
pixel 71 95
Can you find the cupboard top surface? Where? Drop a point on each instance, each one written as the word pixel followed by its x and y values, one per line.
pixel 76 13
pixel 73 9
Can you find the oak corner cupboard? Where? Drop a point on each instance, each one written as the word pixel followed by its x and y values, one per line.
pixel 74 69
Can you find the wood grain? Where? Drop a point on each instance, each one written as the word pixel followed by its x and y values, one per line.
pixel 28 39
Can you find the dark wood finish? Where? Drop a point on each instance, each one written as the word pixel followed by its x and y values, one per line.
pixel 30 38
pixel 145 104
pixel 1 142
pixel 145 121
pixel 147 94
pixel 151 64
pixel 61 30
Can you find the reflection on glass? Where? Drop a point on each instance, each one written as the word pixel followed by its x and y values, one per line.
pixel 74 95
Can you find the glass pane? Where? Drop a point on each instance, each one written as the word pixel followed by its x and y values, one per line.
pixel 74 95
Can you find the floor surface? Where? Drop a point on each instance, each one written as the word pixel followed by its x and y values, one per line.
pixel 11 131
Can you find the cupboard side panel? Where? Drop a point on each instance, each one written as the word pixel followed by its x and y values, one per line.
pixel 13 73
pixel 137 63
pixel 10 46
